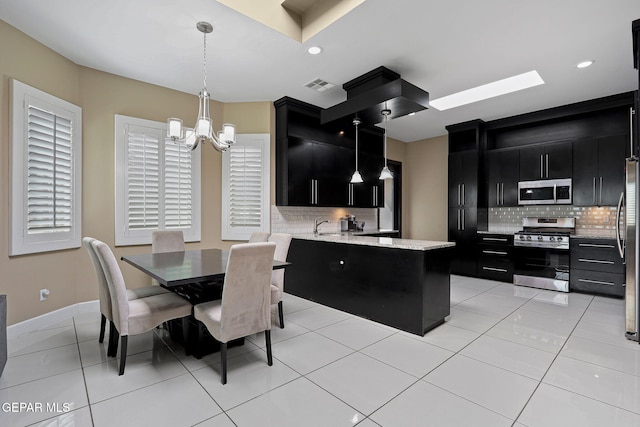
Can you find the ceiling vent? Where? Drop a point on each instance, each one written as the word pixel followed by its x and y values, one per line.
pixel 319 85
pixel 375 91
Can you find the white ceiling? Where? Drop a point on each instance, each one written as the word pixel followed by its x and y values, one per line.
pixel 442 46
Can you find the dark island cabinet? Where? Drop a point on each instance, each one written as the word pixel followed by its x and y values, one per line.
pixel 598 170
pixel 546 161
pixel 503 176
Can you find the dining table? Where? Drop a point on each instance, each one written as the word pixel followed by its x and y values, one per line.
pixel 172 269
pixel 196 275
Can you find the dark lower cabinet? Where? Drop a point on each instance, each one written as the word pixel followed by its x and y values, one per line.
pixel 494 254
pixel 406 289
pixel 463 225
pixel 596 267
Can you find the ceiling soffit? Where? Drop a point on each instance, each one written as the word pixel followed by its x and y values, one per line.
pixel 297 19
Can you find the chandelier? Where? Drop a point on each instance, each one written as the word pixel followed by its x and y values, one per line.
pixel 203 129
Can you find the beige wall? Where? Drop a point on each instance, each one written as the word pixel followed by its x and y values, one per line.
pixel 68 274
pixel 427 188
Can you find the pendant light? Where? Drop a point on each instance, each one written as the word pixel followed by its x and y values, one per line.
pixel 203 130
pixel 356 178
pixel 385 173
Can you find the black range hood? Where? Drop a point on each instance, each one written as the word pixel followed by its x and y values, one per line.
pixel 374 91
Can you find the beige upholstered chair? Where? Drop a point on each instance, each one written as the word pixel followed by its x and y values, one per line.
pixel 133 317
pixel 103 289
pixel 245 307
pixel 258 236
pixel 282 241
pixel 166 241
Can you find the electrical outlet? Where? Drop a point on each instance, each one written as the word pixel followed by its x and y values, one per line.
pixel 44 294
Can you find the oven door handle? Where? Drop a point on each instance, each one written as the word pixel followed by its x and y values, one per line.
pixel 618 235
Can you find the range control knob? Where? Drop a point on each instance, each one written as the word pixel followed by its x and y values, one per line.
pixel 521 237
pixel 552 238
pixel 528 237
pixel 559 239
pixel 539 237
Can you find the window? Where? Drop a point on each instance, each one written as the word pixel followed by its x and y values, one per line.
pixel 157 183
pixel 46 165
pixel 245 187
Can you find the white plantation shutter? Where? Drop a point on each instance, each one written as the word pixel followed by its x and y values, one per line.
pixel 143 178
pixel 178 195
pixel 245 187
pixel 157 183
pixel 49 177
pixel 46 163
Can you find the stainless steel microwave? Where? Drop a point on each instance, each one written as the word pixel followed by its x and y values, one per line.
pixel 545 192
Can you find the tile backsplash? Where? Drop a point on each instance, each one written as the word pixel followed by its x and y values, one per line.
pixel 299 220
pixel 590 221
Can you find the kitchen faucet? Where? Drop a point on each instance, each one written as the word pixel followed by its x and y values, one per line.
pixel 316 224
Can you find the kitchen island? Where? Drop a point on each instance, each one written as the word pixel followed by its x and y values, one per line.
pixel 402 283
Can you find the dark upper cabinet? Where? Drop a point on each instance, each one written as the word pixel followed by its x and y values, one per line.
pixel 598 170
pixel 463 178
pixel 503 175
pixel 314 162
pixel 546 161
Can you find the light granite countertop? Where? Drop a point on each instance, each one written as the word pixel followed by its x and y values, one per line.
pixel 385 242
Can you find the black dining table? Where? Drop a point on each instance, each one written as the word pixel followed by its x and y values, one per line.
pixel 172 269
pixel 196 275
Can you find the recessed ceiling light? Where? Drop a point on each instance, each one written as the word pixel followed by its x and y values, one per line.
pixel 585 64
pixel 489 90
pixel 412 114
pixel 314 50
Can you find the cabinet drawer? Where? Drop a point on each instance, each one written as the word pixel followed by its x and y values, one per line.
pixel 596 255
pixel 495 239
pixel 597 282
pixel 490 267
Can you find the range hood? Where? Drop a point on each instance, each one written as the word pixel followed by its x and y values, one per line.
pixel 374 91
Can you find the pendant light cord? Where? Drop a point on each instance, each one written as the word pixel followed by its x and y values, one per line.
pixel 205 61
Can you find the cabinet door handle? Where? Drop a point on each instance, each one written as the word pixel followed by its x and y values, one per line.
pixel 495 239
pixel 464 196
pixel 502 193
pixel 458 218
pixel 546 157
pixel 313 191
pixel 600 201
pixel 597 282
pixel 498 194
pixel 541 166
pixel 595 261
pixel 316 201
pixel 594 191
pixel 459 195
pixel 463 221
pixel 500 270
pixel 595 245
pixel 486 251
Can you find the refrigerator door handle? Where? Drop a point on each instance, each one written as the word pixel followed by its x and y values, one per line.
pixel 618 216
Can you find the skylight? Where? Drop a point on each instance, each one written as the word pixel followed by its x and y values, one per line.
pixel 489 90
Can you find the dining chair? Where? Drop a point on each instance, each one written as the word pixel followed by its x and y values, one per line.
pixel 258 236
pixel 104 295
pixel 282 241
pixel 245 306
pixel 133 317
pixel 166 241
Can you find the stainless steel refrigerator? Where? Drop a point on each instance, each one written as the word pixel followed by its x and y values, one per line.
pixel 628 237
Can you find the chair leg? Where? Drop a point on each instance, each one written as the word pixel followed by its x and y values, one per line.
pixel 112 350
pixel 185 335
pixel 103 322
pixel 281 315
pixel 223 360
pixel 123 353
pixel 267 338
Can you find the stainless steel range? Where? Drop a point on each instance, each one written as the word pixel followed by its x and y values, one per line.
pixel 541 253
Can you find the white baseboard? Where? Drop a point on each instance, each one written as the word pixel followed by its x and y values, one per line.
pixel 46 320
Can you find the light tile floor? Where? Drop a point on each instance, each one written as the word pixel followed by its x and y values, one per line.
pixel 507 356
